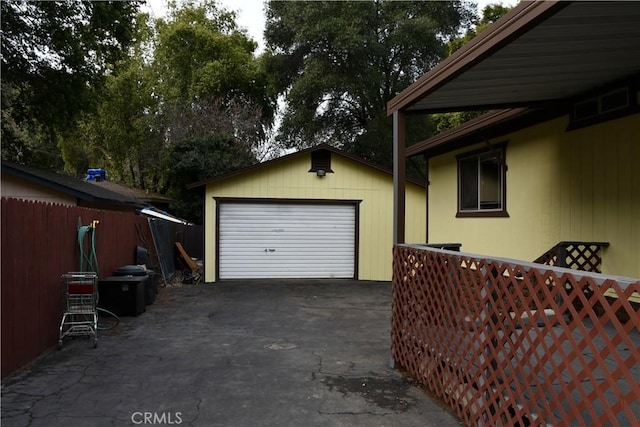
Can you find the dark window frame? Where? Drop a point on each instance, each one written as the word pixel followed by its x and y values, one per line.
pixel 501 212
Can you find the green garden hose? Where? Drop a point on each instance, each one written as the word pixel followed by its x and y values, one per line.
pixel 91 260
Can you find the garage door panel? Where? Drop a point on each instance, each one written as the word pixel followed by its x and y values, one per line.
pixel 286 240
pixel 318 251
pixel 292 256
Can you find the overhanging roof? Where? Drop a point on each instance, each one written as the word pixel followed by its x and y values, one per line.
pixel 539 53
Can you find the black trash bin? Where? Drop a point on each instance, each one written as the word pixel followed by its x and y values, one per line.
pixel 122 295
pixel 138 271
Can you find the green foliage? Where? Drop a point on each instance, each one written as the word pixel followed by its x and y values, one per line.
pixel 202 55
pixel 188 102
pixel 121 134
pixel 339 63
pixel 490 14
pixel 54 58
pixel 199 158
pixel 445 121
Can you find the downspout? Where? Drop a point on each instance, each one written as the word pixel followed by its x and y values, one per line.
pixel 426 228
pixel 399 177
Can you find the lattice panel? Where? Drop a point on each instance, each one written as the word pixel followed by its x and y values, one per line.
pixel 583 256
pixel 506 344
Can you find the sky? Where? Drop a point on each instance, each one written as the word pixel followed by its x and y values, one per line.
pixel 250 14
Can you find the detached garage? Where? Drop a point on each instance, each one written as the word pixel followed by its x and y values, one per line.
pixel 317 213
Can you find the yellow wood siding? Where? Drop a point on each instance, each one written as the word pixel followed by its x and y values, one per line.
pixel 601 201
pixel 290 179
pixel 581 185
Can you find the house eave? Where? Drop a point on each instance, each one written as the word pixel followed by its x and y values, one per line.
pixel 539 54
pixel 493 124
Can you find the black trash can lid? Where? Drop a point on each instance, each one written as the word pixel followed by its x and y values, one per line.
pixel 131 270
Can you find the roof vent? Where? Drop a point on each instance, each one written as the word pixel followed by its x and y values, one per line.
pixel 601 105
pixel 321 162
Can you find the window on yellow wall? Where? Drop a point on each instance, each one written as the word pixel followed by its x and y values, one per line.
pixel 482 183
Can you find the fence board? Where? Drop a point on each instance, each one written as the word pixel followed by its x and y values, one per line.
pixel 6 291
pixel 39 244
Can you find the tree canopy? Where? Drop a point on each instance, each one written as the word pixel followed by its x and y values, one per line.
pixel 490 14
pixel 54 56
pixel 161 103
pixel 202 54
pixel 338 63
pixel 190 101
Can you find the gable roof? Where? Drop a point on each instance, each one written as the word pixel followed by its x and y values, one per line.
pixel 280 160
pixel 540 53
pixel 70 185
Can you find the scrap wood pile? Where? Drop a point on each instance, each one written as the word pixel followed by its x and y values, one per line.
pixel 191 272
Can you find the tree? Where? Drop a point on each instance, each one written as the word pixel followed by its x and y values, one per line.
pixel 201 55
pixel 339 63
pixel 122 133
pixel 208 140
pixel 54 56
pixel 197 158
pixel 215 100
pixel 490 14
pixel 184 105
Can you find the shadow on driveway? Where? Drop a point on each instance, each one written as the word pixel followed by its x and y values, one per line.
pixel 236 353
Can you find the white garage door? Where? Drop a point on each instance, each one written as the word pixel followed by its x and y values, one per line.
pixel 264 240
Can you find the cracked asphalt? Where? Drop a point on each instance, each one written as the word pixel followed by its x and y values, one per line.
pixel 235 353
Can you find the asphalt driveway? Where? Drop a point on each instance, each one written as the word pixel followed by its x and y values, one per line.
pixel 237 353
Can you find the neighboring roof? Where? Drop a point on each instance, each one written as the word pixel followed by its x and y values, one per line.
pixel 132 192
pixel 537 54
pixel 70 185
pixel 291 156
pixel 94 192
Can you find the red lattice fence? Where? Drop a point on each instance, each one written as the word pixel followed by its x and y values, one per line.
pixel 510 343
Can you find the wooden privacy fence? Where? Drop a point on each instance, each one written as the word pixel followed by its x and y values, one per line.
pixel 39 244
pixel 505 342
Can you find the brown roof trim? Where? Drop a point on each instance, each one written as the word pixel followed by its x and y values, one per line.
pixel 474 125
pixel 518 21
pixel 297 154
pixel 493 124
